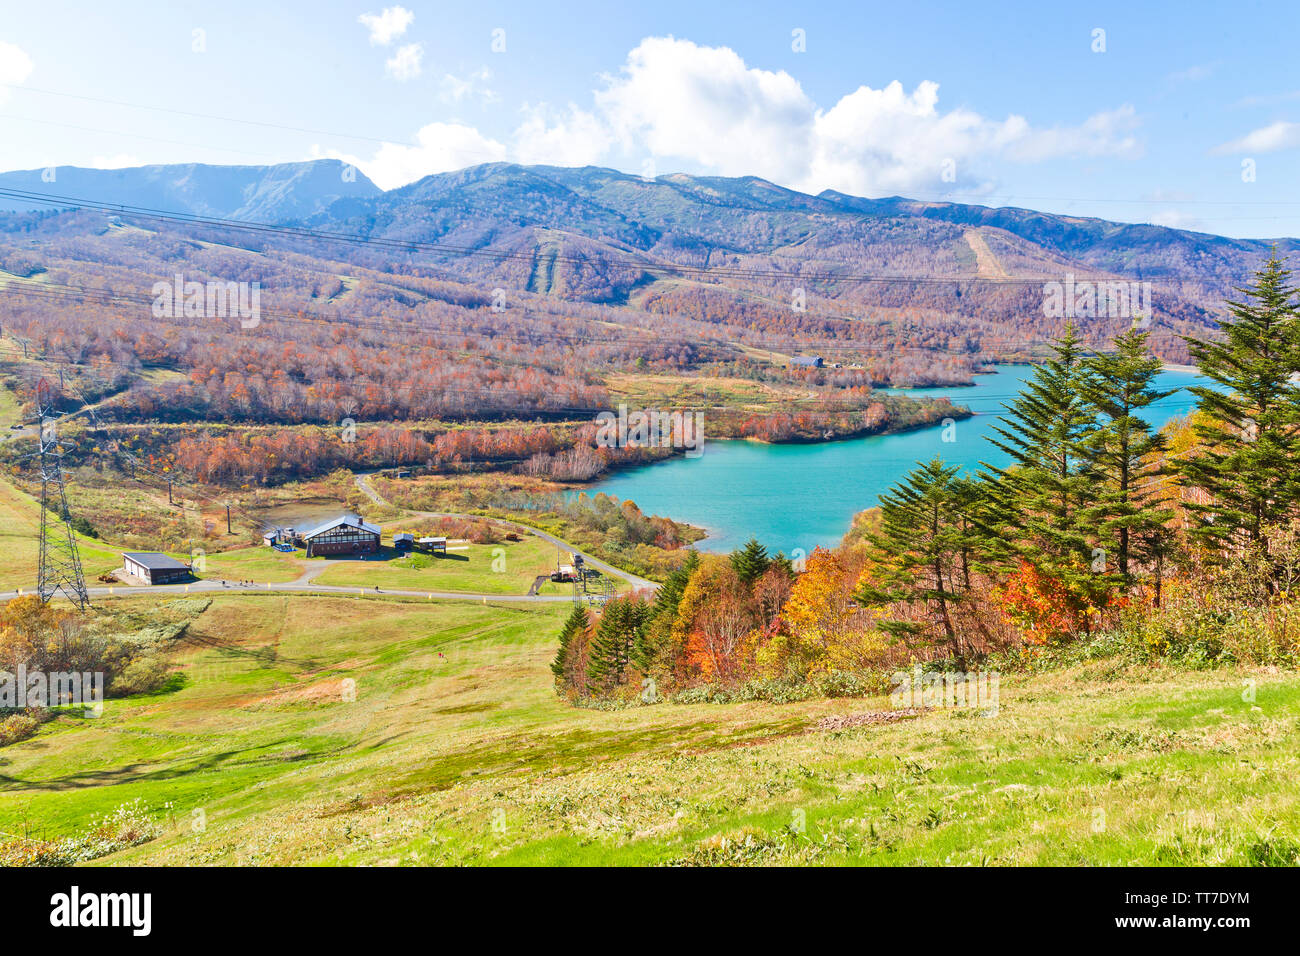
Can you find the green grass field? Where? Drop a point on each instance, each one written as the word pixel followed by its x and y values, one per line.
pixel 10 411
pixel 453 749
pixel 506 568
pixel 20 544
pixel 258 563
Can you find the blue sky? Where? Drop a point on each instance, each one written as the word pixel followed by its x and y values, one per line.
pixel 1189 116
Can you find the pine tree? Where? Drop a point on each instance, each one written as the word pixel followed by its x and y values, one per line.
pixel 575 628
pixel 669 594
pixel 1125 455
pixel 1250 460
pixel 622 623
pixel 750 562
pixel 1044 497
pixel 980 547
pixel 917 553
pixel 653 638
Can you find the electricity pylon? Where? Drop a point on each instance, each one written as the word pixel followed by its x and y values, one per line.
pixel 60 568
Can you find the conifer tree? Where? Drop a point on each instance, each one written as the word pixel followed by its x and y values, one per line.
pixel 1125 454
pixel 669 594
pixel 652 642
pixel 980 547
pixel 1044 496
pixel 571 635
pixel 1249 464
pixel 750 562
pixel 621 625
pixel 917 553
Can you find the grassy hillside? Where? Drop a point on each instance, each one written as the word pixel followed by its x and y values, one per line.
pixel 20 543
pixel 455 750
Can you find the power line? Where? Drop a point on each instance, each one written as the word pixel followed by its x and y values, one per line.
pixel 545 337
pixel 939 198
pixel 59 567
pixel 234 119
pixel 447 248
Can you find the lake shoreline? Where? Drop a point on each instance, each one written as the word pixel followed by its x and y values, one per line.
pixel 801 496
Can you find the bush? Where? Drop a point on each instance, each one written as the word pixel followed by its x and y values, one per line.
pixel 143 675
pixel 16 727
pixel 129 825
pixel 1203 626
pixel 788 690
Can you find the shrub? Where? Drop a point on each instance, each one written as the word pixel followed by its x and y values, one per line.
pixel 16 727
pixel 142 676
pixel 129 825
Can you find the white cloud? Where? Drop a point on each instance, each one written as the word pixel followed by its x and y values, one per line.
pixel 405 64
pixel 453 89
pixel 702 104
pixel 118 161
pixel 678 100
pixel 576 138
pixel 438 148
pixel 1200 71
pixel 387 26
pixel 15 67
pixel 1266 139
pixel 703 108
pixel 1176 219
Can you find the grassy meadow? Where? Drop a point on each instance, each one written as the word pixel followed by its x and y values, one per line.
pixel 452 748
pixel 509 567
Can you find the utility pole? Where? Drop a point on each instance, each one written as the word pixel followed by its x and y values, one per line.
pixel 228 531
pixel 60 562
pixel 169 492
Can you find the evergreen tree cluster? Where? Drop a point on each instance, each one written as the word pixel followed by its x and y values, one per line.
pixel 1085 500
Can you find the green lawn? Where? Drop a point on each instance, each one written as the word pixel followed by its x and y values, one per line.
pixel 506 568
pixel 20 544
pixel 9 408
pixel 258 563
pixel 455 750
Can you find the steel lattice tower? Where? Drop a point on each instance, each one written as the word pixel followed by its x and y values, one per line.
pixel 60 567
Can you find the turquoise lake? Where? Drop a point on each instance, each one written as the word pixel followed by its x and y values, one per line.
pixel 801 496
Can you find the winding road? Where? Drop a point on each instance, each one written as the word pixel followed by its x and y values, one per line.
pixel 639 583
pixel 305 585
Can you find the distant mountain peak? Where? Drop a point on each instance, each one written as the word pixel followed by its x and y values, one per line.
pixel 277 193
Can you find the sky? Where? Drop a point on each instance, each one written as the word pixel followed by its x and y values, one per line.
pixel 1183 114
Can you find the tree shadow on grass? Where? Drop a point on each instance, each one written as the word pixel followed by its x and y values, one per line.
pixel 250 757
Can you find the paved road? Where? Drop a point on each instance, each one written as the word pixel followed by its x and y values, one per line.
pixel 363 482
pixel 305 585
pixel 301 587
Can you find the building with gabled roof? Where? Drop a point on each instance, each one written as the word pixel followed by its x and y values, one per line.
pixel 347 534
pixel 154 567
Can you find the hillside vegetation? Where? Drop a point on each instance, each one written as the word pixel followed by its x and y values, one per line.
pixel 451 748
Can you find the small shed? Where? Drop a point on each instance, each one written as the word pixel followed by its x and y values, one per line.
pixel 404 541
pixel 432 545
pixel 154 567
